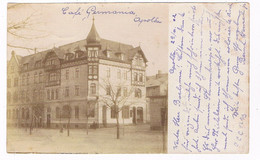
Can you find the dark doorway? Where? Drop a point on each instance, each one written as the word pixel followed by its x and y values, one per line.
pixel 104 116
pixel 134 115
pixel 139 115
pixel 48 121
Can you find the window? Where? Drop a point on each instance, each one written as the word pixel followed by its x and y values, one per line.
pixel 138 93
pixel 27 79
pixel 40 77
pixel 67 74
pixel 23 114
pixel 9 82
pixel 27 113
pixel 35 95
pixel 49 109
pixel 57 112
pixel 67 92
pixel 141 77
pixel 27 96
pixel 48 94
pixel 40 94
pixel 77 72
pixel 135 76
pixel 35 77
pixel 90 69
pixel 95 70
pixel 25 66
pixel 66 111
pixel 131 113
pixel 12 69
pixel 77 112
pixel 53 62
pixel 57 93
pixel 15 97
pixel 113 112
pixel 93 88
pixel 108 73
pixel 9 97
pixel 92 112
pixel 118 91
pixel 15 82
pixel 52 77
pixel 125 92
pixel 52 94
pixel 38 64
pixel 108 90
pixel 119 74
pixel 23 80
pixel 125 75
pixel 76 90
pixel 125 112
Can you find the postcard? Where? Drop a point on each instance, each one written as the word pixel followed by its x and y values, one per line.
pixel 127 78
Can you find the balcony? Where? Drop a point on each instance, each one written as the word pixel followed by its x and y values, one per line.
pixel 52 83
pixel 51 67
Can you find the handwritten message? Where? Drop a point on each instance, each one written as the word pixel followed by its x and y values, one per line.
pixel 208 78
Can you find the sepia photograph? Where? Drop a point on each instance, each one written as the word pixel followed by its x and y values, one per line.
pixel 87 78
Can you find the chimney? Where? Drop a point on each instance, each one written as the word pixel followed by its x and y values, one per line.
pixel 159 74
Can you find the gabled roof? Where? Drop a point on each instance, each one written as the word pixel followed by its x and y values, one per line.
pixel 93 37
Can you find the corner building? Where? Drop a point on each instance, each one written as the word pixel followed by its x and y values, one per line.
pixel 68 83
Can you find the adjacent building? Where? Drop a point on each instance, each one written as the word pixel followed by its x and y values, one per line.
pixel 72 82
pixel 157 94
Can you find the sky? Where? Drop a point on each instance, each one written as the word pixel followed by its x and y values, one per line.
pixel 50 26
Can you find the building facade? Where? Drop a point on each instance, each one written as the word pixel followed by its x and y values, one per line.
pixel 156 91
pixel 73 83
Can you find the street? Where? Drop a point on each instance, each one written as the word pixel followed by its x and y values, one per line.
pixel 135 139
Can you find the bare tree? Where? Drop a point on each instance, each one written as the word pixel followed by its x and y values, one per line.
pixel 24 29
pixel 115 100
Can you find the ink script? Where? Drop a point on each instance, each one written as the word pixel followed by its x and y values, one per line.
pixel 208 78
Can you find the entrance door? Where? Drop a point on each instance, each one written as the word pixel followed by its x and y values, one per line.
pixel 48 120
pixel 139 115
pixel 104 115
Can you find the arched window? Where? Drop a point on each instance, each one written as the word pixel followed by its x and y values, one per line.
pixel 58 112
pixel 77 112
pixel 138 93
pixel 93 88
